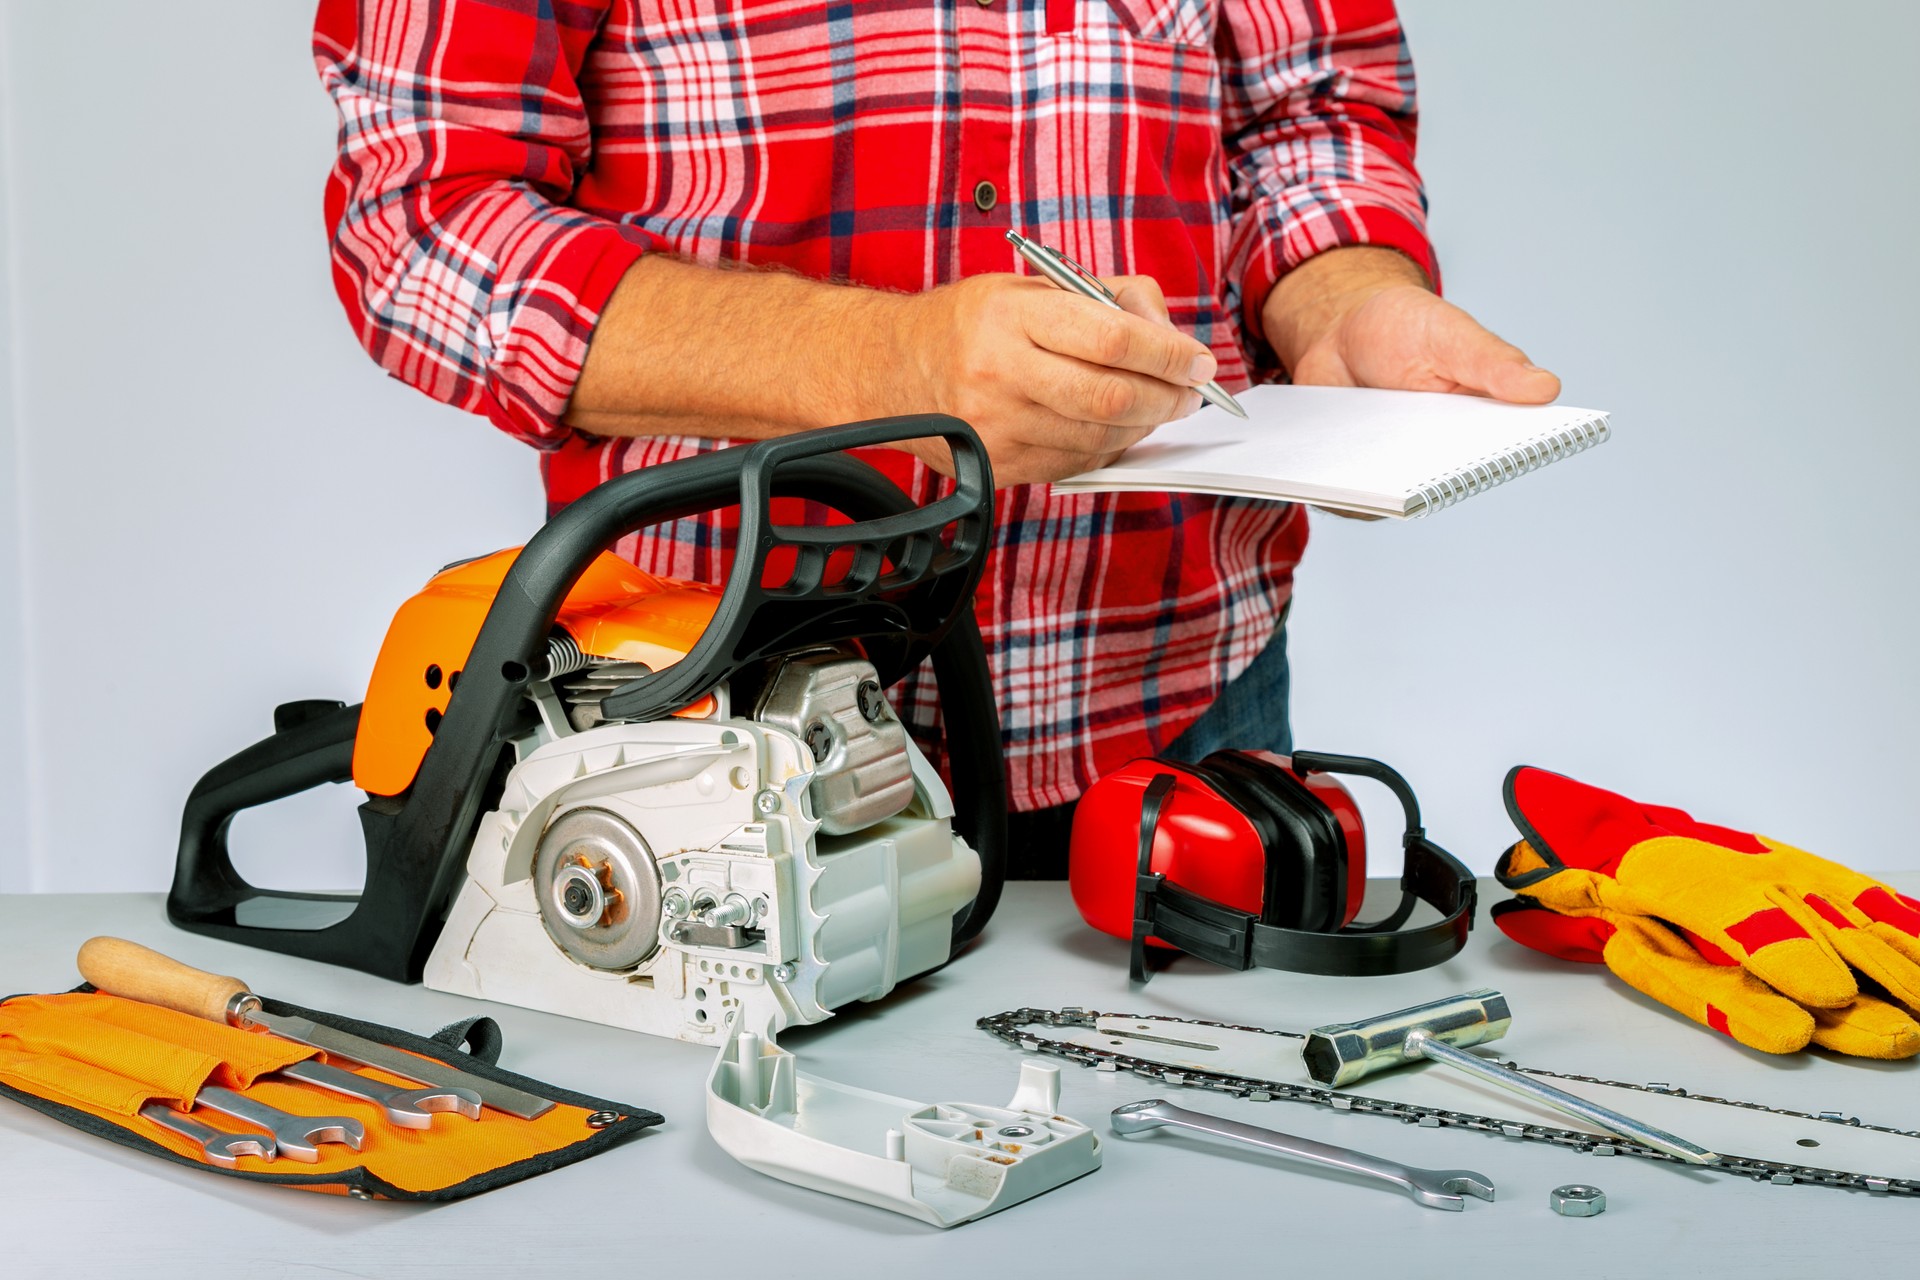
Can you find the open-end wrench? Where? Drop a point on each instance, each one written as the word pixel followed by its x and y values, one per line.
pixel 1435 1188
pixel 409 1108
pixel 223 1149
pixel 294 1136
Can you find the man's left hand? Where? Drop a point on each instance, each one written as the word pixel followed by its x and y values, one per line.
pixel 1367 317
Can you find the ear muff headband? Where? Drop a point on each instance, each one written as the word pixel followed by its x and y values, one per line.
pixel 1240 940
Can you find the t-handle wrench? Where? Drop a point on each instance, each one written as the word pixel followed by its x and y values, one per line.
pixel 1442 1030
pixel 1435 1188
pixel 294 1136
pixel 409 1108
pixel 221 1148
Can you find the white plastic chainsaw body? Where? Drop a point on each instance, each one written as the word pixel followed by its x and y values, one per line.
pixel 667 875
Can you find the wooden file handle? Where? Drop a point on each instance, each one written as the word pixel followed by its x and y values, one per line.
pixel 128 969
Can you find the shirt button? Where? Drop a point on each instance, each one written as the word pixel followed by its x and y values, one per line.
pixel 985 3
pixel 985 196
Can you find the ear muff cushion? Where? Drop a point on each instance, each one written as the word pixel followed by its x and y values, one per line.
pixel 1284 894
pixel 1259 815
pixel 1306 850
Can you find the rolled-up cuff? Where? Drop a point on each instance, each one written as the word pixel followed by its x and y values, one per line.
pixel 537 361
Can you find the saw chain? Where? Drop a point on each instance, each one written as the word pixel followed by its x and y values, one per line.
pixel 1014 1027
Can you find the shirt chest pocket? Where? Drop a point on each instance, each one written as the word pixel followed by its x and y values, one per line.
pixel 1182 22
pixel 718 123
pixel 708 57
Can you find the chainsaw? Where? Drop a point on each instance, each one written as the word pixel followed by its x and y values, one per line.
pixel 661 805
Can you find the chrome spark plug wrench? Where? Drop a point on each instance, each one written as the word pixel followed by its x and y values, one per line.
pixel 1441 1030
pixel 294 1136
pixel 1434 1188
pixel 408 1108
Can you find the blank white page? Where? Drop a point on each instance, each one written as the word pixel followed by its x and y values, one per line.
pixel 1362 450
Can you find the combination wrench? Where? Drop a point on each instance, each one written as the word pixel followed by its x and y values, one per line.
pixel 1435 1188
pixel 294 1136
pixel 221 1148
pixel 409 1108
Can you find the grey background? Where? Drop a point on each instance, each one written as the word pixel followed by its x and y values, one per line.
pixel 1700 215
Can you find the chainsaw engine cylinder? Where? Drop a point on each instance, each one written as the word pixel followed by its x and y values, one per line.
pixel 831 701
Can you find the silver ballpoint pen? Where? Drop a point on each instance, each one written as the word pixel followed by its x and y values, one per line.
pixel 1071 276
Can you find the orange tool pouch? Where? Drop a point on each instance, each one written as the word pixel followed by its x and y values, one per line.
pixel 93 1060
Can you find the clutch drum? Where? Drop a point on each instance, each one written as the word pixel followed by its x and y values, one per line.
pixel 598 888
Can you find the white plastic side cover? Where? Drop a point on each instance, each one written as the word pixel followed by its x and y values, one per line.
pixel 943 1163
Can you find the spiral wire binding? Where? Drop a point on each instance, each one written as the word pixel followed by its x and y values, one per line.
pixel 1456 486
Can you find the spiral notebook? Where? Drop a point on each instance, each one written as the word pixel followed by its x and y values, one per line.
pixel 1400 454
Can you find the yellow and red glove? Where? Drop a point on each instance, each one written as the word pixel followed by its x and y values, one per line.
pixel 1752 937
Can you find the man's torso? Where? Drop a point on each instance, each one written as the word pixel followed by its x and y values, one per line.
pixel 892 144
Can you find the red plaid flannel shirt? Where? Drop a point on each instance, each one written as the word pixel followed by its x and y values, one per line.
pixel 503 162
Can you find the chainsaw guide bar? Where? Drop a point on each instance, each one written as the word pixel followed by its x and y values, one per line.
pixel 1018 1027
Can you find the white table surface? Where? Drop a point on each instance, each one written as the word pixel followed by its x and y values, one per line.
pixel 671 1203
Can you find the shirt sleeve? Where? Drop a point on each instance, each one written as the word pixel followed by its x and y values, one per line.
pixel 462 132
pixel 1319 118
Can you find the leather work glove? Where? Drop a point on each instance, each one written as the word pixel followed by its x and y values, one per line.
pixel 1754 938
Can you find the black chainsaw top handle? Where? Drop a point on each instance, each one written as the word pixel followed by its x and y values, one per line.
pixel 909 572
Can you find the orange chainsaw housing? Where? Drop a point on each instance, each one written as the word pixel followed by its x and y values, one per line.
pixel 615 611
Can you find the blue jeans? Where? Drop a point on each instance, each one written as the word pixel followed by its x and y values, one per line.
pixel 1250 713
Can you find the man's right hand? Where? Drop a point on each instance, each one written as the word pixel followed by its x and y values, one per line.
pixel 1054 383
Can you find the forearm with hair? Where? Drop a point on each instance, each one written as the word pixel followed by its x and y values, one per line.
pixel 685 349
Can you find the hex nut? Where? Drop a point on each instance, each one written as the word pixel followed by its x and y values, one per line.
pixel 1577 1201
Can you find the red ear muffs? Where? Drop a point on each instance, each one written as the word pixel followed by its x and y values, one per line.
pixel 1247 858
pixel 1214 836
